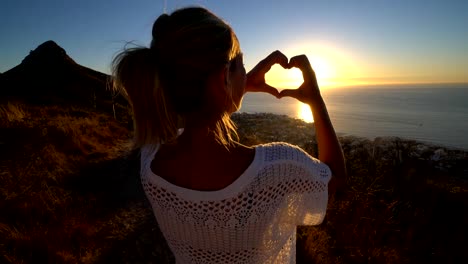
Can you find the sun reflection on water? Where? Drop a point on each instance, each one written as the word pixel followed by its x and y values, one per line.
pixel 304 113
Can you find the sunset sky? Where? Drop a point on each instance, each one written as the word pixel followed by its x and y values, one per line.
pixel 348 42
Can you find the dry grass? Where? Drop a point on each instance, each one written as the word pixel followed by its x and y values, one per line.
pixel 70 193
pixel 10 113
pixel 62 184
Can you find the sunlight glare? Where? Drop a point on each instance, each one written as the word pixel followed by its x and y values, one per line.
pixel 304 112
pixel 333 66
pixel 323 69
pixel 294 77
pixel 284 78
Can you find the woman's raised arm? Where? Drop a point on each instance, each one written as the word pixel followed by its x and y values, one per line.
pixel 330 151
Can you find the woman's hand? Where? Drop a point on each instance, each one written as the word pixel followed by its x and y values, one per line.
pixel 329 148
pixel 309 91
pixel 256 77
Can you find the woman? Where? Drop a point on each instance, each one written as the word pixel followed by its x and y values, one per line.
pixel 216 200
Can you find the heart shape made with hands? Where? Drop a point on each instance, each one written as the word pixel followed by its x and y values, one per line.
pixel 282 78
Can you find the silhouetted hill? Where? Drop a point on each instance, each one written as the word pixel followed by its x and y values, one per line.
pixel 49 75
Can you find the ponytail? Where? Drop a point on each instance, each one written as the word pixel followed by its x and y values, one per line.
pixel 167 83
pixel 136 76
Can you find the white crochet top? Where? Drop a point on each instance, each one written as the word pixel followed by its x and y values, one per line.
pixel 253 220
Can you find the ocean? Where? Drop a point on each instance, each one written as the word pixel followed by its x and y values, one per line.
pixel 434 113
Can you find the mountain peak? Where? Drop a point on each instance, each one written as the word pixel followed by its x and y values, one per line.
pixel 51 46
pixel 47 53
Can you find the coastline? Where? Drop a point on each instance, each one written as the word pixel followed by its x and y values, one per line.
pixel 430 114
pixel 256 128
pixel 261 128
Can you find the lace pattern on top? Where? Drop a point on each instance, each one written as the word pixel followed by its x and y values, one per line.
pixel 253 220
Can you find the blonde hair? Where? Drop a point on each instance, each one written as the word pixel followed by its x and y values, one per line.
pixel 167 81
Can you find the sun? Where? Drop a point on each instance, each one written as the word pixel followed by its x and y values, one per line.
pixel 294 77
pixel 323 68
pixel 333 67
pixel 284 78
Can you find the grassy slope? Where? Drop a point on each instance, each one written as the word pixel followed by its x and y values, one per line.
pixel 69 193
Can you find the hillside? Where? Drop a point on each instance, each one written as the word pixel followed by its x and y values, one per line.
pixel 70 192
pixel 49 76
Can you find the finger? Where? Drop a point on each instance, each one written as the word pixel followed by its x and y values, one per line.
pixel 271 90
pixel 275 57
pixel 280 58
pixel 264 89
pixel 302 62
pixel 288 93
pixel 296 61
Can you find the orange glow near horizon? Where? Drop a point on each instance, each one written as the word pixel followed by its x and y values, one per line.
pixel 333 68
pixel 339 68
pixel 324 70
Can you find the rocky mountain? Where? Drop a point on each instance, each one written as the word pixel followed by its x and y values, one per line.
pixel 49 75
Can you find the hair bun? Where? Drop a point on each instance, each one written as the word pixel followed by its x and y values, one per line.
pixel 161 26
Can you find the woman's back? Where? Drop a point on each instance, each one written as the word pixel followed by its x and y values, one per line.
pixel 198 165
pixel 251 220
